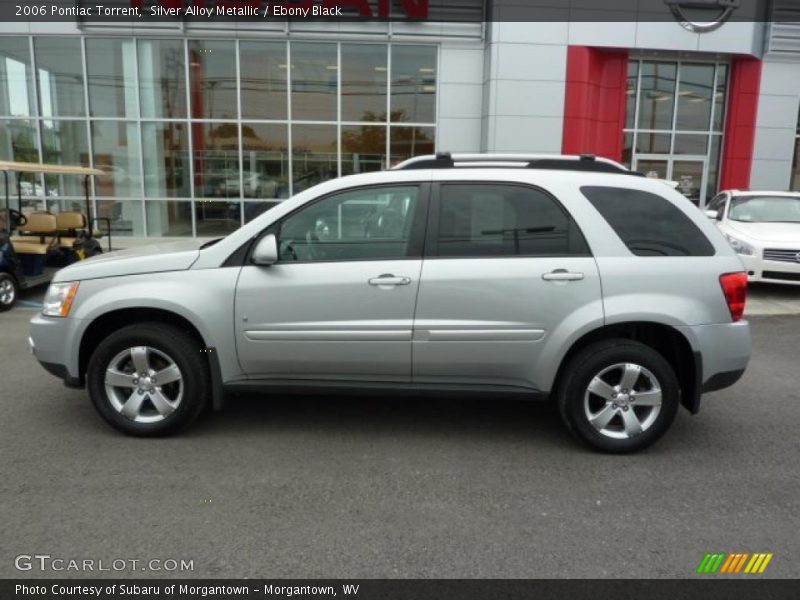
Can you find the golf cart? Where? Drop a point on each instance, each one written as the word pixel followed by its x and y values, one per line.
pixel 34 245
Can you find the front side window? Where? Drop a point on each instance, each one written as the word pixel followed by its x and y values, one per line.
pixel 486 220
pixel 648 224
pixel 365 224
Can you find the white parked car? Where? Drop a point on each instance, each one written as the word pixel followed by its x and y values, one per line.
pixel 764 230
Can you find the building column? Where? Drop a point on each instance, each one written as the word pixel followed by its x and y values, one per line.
pixel 594 107
pixel 523 87
pixel 740 123
pixel 776 124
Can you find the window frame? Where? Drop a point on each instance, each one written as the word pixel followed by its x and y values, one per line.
pixel 416 240
pixel 434 214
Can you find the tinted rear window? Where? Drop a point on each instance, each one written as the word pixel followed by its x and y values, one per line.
pixel 648 224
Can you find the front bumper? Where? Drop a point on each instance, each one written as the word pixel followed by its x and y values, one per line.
pixel 771 271
pixel 51 342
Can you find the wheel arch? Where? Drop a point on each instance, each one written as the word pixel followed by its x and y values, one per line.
pixel 105 324
pixel 7 270
pixel 664 339
pixel 7 266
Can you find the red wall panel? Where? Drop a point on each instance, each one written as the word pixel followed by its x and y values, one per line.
pixel 740 124
pixel 594 109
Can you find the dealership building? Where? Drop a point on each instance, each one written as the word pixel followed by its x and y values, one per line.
pixel 202 125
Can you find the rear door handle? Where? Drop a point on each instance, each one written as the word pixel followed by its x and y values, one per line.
pixel 562 275
pixel 389 279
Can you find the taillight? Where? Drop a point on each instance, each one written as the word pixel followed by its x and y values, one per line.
pixel 734 286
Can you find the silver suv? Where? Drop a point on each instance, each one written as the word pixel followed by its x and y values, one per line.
pixel 558 277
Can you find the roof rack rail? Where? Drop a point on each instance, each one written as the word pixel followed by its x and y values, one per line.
pixel 583 162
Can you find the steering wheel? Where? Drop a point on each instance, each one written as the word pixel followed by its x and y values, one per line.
pixel 17 218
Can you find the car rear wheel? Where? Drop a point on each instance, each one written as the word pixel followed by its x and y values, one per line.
pixel 618 395
pixel 8 291
pixel 148 379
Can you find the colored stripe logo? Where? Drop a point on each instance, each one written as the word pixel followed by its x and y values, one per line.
pixel 734 563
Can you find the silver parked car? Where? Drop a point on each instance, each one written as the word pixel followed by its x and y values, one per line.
pixel 557 277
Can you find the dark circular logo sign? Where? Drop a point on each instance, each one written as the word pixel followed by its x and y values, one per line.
pixel 723 9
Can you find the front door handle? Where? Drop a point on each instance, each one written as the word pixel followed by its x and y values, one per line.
pixel 562 275
pixel 389 279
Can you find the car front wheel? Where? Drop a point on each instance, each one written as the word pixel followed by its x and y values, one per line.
pixel 618 395
pixel 148 379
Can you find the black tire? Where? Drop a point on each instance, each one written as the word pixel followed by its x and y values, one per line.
pixel 574 401
pixel 165 342
pixel 9 292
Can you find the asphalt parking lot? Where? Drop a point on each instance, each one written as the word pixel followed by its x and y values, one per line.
pixel 323 487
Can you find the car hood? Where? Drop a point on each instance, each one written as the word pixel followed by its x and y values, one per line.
pixel 768 232
pixel 156 258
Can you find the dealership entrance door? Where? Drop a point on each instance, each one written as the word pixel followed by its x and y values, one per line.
pixel 690 172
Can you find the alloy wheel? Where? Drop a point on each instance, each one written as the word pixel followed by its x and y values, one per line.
pixel 7 292
pixel 623 401
pixel 144 384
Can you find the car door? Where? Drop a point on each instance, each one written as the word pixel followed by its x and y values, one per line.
pixel 339 303
pixel 505 270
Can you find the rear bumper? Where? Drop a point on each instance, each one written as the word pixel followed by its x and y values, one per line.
pixel 720 381
pixel 722 353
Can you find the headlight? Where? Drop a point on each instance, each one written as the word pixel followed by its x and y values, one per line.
pixel 739 246
pixel 58 299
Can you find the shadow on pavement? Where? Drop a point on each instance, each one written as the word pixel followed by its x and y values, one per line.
pixel 378 416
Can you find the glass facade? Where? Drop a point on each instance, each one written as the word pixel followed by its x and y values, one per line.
pixel 674 122
pixel 197 137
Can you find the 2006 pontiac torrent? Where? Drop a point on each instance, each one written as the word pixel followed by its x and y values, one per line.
pixel 553 277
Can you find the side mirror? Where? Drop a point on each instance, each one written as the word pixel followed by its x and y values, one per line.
pixel 712 214
pixel 266 251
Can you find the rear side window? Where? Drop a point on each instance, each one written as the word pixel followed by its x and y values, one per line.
pixel 648 224
pixel 504 220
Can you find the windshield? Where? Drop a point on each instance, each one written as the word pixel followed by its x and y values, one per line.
pixel 765 209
